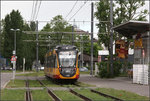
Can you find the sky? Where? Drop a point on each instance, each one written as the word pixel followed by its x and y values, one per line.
pixel 50 9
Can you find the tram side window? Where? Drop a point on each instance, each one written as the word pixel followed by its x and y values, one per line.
pixel 55 62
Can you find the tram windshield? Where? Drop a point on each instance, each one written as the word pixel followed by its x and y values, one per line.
pixel 67 58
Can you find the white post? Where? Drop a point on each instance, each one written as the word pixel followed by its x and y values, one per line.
pixel 96 69
pixel 23 65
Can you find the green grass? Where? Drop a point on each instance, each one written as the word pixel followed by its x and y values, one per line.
pixel 49 83
pixel 10 71
pixel 66 95
pixel 40 73
pixel 93 96
pixel 34 83
pixel 122 94
pixel 13 95
pixel 16 83
pixel 40 95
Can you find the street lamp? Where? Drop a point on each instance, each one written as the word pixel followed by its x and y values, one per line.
pixel 14 53
pixel 15 39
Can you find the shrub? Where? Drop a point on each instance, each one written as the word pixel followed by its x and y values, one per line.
pixel 104 69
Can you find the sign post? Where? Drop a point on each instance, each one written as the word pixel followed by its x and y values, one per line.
pixel 23 65
pixel 13 60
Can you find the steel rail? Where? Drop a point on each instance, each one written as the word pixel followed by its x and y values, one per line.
pixel 106 95
pixel 28 92
pixel 50 92
pixel 79 95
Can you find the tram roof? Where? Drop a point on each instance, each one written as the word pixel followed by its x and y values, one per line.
pixel 131 28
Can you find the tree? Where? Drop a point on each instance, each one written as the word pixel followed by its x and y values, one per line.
pixel 124 11
pixel 58 24
pixel 13 20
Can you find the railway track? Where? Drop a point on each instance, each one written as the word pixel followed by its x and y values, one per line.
pixel 106 95
pixel 50 92
pixel 79 95
pixel 28 92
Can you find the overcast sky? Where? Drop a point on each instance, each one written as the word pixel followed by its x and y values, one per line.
pixel 50 9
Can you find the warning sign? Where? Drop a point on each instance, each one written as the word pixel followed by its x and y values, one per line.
pixel 13 58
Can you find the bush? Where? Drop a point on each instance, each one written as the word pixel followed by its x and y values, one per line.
pixel 104 69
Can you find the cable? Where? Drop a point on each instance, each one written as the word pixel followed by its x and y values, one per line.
pixel 38 10
pixel 78 10
pixel 32 9
pixel 71 9
pixel 35 10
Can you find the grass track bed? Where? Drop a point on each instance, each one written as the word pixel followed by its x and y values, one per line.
pixel 122 94
pixel 34 83
pixel 38 95
pixel 40 73
pixel 66 96
pixel 16 83
pixel 13 95
pixel 93 96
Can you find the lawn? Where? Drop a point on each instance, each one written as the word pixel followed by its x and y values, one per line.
pixel 93 96
pixel 122 94
pixel 40 95
pixel 40 73
pixel 13 95
pixel 16 83
pixel 66 95
pixel 34 83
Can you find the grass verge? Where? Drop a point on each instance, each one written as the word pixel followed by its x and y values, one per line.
pixel 40 73
pixel 123 94
pixel 42 95
pixel 13 95
pixel 15 83
pixel 93 96
pixel 66 95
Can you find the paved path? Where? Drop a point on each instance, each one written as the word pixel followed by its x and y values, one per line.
pixel 121 83
pixel 5 77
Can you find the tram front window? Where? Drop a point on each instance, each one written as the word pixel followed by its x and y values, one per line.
pixel 67 58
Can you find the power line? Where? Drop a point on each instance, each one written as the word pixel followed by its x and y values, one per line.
pixel 71 9
pixel 38 10
pixel 78 10
pixel 32 9
pixel 35 8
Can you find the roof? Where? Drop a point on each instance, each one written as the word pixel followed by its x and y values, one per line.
pixel 87 58
pixel 131 28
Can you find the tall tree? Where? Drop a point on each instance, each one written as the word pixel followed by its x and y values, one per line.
pixel 13 20
pixel 124 11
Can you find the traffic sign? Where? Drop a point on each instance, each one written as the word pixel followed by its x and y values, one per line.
pixel 13 58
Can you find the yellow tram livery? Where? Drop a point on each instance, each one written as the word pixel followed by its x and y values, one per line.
pixel 62 63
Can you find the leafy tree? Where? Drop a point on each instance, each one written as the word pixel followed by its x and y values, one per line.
pixel 13 20
pixel 124 11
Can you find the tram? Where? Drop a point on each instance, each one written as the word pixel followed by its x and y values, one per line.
pixel 62 63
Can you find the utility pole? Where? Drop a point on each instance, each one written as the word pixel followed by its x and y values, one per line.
pixel 37 44
pixel 149 49
pixel 72 35
pixel 92 10
pixel 111 37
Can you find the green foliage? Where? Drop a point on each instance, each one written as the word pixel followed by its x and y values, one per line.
pixel 13 20
pixel 124 11
pixel 104 69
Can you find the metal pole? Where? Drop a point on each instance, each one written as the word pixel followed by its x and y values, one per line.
pixel 72 35
pixel 92 10
pixel 15 42
pixel 111 37
pixel 37 46
pixel 82 51
pixel 149 51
